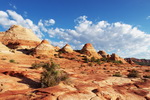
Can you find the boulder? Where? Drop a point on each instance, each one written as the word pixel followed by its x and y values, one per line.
pixel 44 49
pixel 89 50
pixel 103 54
pixel 19 37
pixel 67 48
pixel 115 57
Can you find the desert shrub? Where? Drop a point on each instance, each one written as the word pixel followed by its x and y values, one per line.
pixel 93 59
pixel 86 60
pixel 146 76
pixel 117 74
pixel 51 76
pixel 12 61
pixel 98 61
pixel 117 62
pixel 133 73
pixel 37 65
pixel 104 59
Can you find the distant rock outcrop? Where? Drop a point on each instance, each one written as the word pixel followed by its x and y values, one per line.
pixel 89 50
pixel 44 49
pixel 115 57
pixel 67 48
pixel 19 37
pixel 130 61
pixel 145 62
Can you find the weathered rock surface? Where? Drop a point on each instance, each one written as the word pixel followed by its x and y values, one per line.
pixel 44 49
pixel 67 48
pixel 4 49
pixel 19 37
pixel 89 50
pixel 117 58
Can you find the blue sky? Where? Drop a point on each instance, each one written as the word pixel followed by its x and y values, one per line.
pixel 119 26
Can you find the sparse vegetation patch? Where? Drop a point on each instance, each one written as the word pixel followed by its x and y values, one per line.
pixel 133 74
pixel 117 74
pixel 12 61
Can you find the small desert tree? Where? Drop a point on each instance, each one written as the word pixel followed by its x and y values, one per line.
pixel 133 74
pixel 51 75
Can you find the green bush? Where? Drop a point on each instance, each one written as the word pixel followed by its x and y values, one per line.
pixel 117 74
pixel 133 73
pixel 86 60
pixel 117 62
pixel 37 65
pixel 51 75
pixel 104 59
pixel 98 61
pixel 12 61
pixel 93 59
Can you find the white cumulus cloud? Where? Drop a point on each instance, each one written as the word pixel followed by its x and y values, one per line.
pixel 10 17
pixel 148 17
pixel 120 38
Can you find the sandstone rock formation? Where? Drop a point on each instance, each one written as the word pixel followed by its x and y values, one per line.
pixel 117 58
pixel 19 37
pixel 44 49
pixel 67 48
pixel 89 50
pixel 103 54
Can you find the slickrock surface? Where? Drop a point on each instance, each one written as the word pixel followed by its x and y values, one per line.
pixel 4 49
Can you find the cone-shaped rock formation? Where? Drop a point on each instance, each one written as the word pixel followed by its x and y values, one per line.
pixel 89 50
pixel 44 49
pixel 67 48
